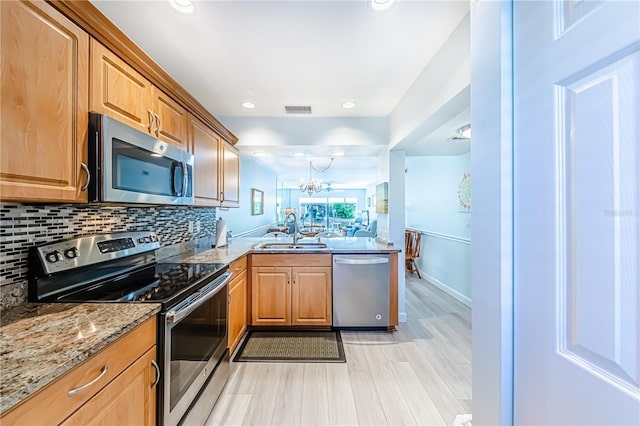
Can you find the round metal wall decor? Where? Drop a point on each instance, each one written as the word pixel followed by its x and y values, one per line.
pixel 464 192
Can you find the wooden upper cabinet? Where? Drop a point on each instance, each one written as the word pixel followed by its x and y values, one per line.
pixel 119 91
pixel 230 175
pixel 171 119
pixel 204 145
pixel 44 103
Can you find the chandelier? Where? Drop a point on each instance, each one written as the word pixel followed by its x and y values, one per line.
pixel 312 187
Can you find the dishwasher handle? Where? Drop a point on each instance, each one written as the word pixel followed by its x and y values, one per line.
pixel 363 261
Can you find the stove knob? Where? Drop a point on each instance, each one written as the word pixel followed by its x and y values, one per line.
pixel 147 239
pixel 54 256
pixel 154 238
pixel 141 240
pixel 71 253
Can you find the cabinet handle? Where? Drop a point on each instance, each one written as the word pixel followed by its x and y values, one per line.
pixel 86 169
pixel 155 365
pixel 74 391
pixel 157 124
pixel 150 119
pixel 221 196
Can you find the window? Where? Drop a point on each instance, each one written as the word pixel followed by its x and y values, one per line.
pixel 329 213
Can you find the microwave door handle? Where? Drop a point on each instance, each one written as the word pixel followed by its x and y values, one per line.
pixel 185 179
pixel 175 166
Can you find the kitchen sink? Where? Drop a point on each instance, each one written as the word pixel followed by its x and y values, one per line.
pixel 291 246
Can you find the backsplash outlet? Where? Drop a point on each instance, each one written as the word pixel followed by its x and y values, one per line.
pixel 23 226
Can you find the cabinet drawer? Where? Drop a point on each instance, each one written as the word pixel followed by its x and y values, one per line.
pixel 291 260
pixel 238 265
pixel 52 404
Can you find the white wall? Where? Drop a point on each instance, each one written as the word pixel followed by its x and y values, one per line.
pixel 432 194
pixel 420 111
pixel 491 168
pixel 432 205
pixel 252 175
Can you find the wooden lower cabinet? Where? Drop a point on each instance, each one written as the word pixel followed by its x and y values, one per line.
pixel 271 295
pixel 291 295
pixel 115 386
pixel 238 312
pixel 129 399
pixel 311 296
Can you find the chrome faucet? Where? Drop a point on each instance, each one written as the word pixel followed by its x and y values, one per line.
pixel 296 230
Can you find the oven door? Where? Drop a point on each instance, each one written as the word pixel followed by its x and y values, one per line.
pixel 195 340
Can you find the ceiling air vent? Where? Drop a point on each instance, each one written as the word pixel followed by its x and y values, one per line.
pixel 297 109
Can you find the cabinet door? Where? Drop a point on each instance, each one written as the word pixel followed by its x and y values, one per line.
pixel 204 144
pixel 130 399
pixel 237 309
pixel 271 296
pixel 230 175
pixel 44 103
pixel 171 119
pixel 119 91
pixel 311 296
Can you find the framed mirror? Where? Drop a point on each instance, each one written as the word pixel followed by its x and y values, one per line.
pixel 257 202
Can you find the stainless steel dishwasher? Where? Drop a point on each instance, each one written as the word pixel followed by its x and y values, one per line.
pixel 361 290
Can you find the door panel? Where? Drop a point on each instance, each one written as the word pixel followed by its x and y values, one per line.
pixel 577 208
pixel 599 240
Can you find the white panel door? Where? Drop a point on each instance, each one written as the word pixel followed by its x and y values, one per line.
pixel 577 212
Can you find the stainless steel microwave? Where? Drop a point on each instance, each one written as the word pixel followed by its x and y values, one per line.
pixel 130 166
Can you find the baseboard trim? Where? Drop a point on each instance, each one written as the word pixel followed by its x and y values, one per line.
pixel 451 292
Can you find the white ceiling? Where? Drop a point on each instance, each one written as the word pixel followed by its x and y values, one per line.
pixel 276 53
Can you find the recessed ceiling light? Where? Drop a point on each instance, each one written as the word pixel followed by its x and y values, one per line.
pixel 465 131
pixel 298 154
pixel 248 105
pixel 381 4
pixel 338 154
pixel 260 154
pixel 182 6
pixel 348 104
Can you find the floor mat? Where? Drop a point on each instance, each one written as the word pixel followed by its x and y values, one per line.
pixel 291 346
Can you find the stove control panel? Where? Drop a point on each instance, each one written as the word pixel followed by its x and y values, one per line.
pixel 65 255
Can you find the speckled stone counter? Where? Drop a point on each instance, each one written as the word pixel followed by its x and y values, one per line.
pixel 239 247
pixel 41 342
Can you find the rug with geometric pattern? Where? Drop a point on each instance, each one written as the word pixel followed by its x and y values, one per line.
pixel 291 346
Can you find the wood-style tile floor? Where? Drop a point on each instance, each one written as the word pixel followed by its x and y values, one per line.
pixel 419 374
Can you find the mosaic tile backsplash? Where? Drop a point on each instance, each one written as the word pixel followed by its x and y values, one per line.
pixel 23 226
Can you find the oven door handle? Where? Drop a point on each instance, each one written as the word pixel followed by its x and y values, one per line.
pixel 200 298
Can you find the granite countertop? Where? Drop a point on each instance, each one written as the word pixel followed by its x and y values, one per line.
pixel 40 342
pixel 239 247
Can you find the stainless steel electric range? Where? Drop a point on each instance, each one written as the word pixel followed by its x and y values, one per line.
pixel 192 328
